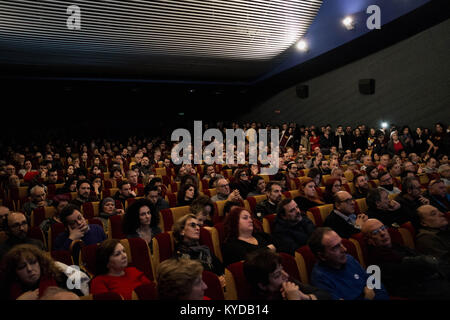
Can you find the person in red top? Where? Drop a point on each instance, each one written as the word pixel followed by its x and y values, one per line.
pixel 136 187
pixel 314 140
pixel 113 273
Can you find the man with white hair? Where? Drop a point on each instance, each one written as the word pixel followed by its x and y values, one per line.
pixel 38 198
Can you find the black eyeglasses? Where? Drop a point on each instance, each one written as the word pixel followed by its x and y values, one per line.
pixel 193 225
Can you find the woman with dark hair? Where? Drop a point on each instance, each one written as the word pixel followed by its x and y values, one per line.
pixel 189 179
pixel 69 186
pixel 282 180
pixel 314 140
pixel 258 186
pixel 186 233
pixel 358 140
pixel 332 186
pixel 241 182
pixel 27 272
pixel 187 194
pixel 203 208
pixel 316 175
pixel 308 195
pixel 421 141
pixel 372 173
pixel 241 237
pixel 141 221
pixel 112 271
pixel 407 139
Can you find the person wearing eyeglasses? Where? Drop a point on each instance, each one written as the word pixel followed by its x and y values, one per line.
pixel 404 271
pixel 242 182
pixel 186 233
pixel 17 232
pixel 343 219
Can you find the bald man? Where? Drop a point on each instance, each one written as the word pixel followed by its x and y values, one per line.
pixel 434 235
pixel 404 271
pixel 343 219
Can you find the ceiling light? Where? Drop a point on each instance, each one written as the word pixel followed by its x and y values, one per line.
pixel 302 45
pixel 349 23
pixel 384 125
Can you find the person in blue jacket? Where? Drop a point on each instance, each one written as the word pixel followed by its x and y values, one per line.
pixel 338 272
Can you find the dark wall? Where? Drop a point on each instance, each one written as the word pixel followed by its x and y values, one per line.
pixel 412 87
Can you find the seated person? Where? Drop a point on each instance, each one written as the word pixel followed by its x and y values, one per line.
pixel 187 194
pixel 4 211
pixel 141 221
pixel 433 237
pixel 27 272
pixel 224 191
pixel 387 183
pixel 38 199
pixel 241 237
pixel 361 186
pixel 241 182
pixel 112 271
pixel 180 279
pixel 258 186
pixel 203 208
pixel 291 228
pixel 69 186
pixel 84 193
pixel 124 193
pixel 337 272
pixel 59 202
pixel 107 210
pixel 343 219
pixel 438 196
pixel 387 211
pixel 309 197
pixel 186 233
pixel 152 193
pixel 17 232
pixel 77 228
pixel 269 206
pixel 332 186
pixel 444 172
pixel 400 264
pixel 268 280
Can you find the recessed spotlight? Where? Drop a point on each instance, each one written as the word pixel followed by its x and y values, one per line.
pixel 302 45
pixel 349 23
pixel 384 125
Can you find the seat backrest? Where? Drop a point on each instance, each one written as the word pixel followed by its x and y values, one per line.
pixel 91 209
pixel 40 214
pixel 88 258
pixel 53 233
pixel 220 231
pixel 115 230
pixel 139 256
pixel 63 256
pixel 254 200
pixel 36 233
pixel 290 265
pixel 354 249
pixel 305 262
pixel 238 287
pixel 268 221
pixel 402 236
pixel 163 247
pixel 171 215
pixel 210 237
pixel 214 291
pixel 361 205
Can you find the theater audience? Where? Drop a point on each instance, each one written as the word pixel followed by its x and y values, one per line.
pixel 269 206
pixel 141 221
pixel 384 209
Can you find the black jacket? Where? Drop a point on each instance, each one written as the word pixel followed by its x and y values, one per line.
pixel 290 237
pixel 340 226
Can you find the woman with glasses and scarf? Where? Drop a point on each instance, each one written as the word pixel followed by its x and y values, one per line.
pixel 186 233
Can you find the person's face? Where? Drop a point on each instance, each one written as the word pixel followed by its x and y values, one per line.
pixel 379 235
pixel 275 193
pixel 415 190
pixel 84 190
pixel 361 182
pixel 345 204
pixel 4 211
pixel 386 180
pixel 167 163
pixel 61 205
pixel 223 187
pixel 153 196
pixel 446 172
pixel 96 171
pixel 396 170
pixel 276 280
pixel 433 218
pixel 73 186
pixel 245 222
pixel 374 174
pixel 70 170
pixel 261 185
pixel 334 252
pixel 438 189
pixel 76 220
pixel 243 176
pixel 367 161
pixel 109 207
pixel 145 216
pixel 84 156
pixel 191 231
pixel 97 161
pixel 28 165
pixel 444 160
pixel 210 170
pixel 338 174
pixel 38 195
pixel 394 136
pixel 337 185
pixel 432 163
pixel 159 186
pixel 133 178
pixel 145 161
pixel 325 165
pixel 334 163
pixel 18 225
pixel 53 176
pixel 201 217
pixel 310 189
pixel 28 271
pixel 190 193
pixel 384 160
pixel 14 181
pixel 126 189
pixel 198 289
pixel 383 204
pixel 118 259
pixel 182 172
pixel 292 212
pixel 117 174
pixel 10 170
pixel 410 167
